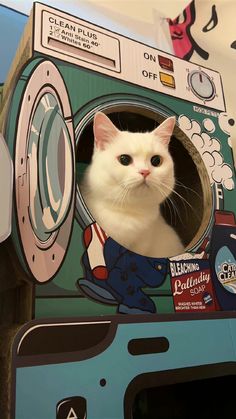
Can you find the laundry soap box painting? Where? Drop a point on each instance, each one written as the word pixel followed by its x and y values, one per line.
pixel 192 286
pixel 65 71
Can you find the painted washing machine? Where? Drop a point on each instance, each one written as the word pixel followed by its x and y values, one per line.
pixel 66 70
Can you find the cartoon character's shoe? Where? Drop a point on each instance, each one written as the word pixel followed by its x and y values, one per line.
pixel 96 292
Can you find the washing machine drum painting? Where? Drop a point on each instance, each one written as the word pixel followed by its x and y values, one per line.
pixel 51 146
pixel 45 168
pixel 45 171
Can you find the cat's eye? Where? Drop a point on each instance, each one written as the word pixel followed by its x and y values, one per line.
pixel 156 160
pixel 125 159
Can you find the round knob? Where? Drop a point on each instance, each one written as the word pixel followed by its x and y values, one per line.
pixel 201 85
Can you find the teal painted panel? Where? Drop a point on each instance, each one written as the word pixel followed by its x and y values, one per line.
pixel 45 385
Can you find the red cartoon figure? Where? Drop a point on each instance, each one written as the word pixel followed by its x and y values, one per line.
pixel 183 43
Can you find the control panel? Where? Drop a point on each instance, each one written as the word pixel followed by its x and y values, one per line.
pixel 73 40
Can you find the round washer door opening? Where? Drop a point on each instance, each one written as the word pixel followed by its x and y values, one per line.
pixel 188 209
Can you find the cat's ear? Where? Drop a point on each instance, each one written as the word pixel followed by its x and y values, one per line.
pixel 104 130
pixel 165 130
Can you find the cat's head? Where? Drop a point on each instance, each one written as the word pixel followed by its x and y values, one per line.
pixel 129 166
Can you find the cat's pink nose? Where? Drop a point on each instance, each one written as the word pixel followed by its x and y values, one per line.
pixel 144 172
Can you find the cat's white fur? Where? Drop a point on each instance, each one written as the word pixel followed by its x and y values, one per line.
pixel 124 202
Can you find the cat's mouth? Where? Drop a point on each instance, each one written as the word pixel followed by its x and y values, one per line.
pixel 144 183
pixel 138 184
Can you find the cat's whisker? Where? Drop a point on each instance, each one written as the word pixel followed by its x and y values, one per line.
pixel 180 184
pixel 190 191
pixel 131 184
pixel 176 193
pixel 176 211
pixel 184 201
pixel 121 197
pixel 130 181
pixel 166 202
pixel 123 194
pixel 173 209
pixel 169 201
pixel 156 185
pixel 124 190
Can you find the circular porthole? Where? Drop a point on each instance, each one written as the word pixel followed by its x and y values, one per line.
pixel 50 165
pixel 44 171
pixel 189 208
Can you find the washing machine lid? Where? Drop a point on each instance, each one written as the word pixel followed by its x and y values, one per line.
pixel 44 171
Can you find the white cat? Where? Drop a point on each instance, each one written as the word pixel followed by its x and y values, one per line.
pixel 130 175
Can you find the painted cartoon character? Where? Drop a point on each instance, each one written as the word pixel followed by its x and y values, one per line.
pixel 114 275
pixel 183 43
